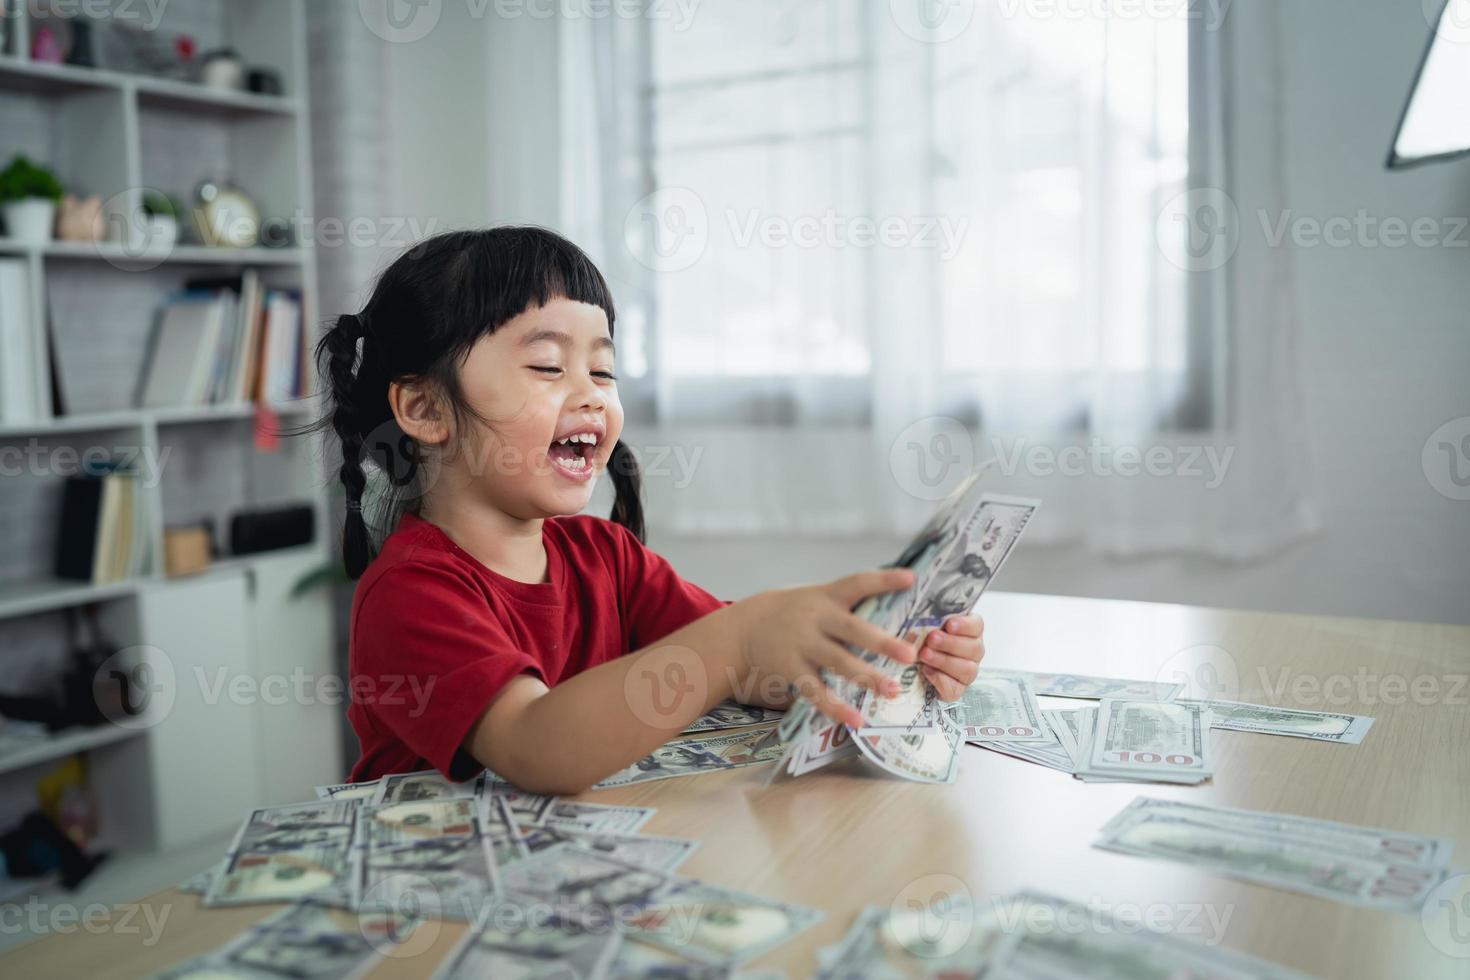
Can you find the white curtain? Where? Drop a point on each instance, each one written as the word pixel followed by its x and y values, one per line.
pixel 858 250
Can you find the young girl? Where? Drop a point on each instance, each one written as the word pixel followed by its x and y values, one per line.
pixel 498 628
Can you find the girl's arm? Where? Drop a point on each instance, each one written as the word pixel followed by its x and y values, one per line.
pixel 563 740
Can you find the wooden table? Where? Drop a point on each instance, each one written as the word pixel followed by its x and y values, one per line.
pixel 843 838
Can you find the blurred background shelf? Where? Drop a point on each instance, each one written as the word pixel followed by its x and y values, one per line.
pixel 15 754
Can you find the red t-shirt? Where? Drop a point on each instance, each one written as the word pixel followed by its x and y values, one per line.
pixel 436 635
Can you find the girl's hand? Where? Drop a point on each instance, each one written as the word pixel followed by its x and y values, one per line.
pixel 950 657
pixel 791 634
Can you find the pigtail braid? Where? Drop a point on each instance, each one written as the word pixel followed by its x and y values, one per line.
pixel 627 508
pixel 338 352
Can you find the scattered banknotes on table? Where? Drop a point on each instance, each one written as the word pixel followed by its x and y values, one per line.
pixel 1365 866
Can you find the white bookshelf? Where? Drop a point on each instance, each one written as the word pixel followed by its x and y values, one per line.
pixel 189 776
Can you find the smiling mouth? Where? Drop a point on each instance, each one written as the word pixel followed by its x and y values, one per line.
pixel 574 453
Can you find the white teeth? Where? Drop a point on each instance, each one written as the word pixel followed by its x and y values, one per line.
pixel 588 437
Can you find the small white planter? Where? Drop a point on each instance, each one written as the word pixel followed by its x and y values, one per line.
pixel 29 220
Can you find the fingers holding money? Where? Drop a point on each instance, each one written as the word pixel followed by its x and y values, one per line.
pixel 844 627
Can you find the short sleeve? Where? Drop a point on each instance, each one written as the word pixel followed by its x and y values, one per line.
pixel 428 657
pixel 657 600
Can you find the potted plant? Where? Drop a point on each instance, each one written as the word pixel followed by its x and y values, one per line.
pixel 28 196
pixel 160 220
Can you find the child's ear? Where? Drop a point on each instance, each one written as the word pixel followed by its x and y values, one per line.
pixel 419 412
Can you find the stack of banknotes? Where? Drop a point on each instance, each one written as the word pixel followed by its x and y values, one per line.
pixel 954 559
pixel 365 864
pixel 1367 866
pixel 1138 730
pixel 1023 935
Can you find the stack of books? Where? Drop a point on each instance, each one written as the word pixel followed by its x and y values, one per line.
pixel 226 341
pixel 103 536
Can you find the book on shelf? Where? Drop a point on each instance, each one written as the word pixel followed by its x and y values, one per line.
pixel 225 341
pixel 20 390
pixel 103 537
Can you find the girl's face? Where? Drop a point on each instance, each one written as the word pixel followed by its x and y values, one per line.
pixel 545 382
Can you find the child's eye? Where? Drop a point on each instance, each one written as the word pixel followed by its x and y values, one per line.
pixel 545 370
pixel 607 375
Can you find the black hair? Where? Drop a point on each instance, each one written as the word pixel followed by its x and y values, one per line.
pixel 427 311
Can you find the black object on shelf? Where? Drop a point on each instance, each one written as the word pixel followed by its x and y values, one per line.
pixel 270 530
pixel 38 847
pixel 264 81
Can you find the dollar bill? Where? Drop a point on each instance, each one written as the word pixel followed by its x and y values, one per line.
pixel 434 855
pixel 1051 756
pixel 640 961
pixel 644 850
pixel 1391 846
pixel 958 571
pixel 507 942
pixel 596 817
pixel 1000 707
pixel 1096 688
pixel 199 883
pixel 1159 741
pixel 718 925
pixel 285 853
pixel 591 882
pixel 507 843
pixel 1053 938
pixel 348 791
pixel 1072 728
pixel 1322 726
pixel 925 757
pixel 1290 863
pixel 828 743
pixel 732 714
pixel 406 787
pixel 942 939
pixel 694 754
pixel 304 941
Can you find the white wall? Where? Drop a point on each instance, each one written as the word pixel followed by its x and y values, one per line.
pixel 1385 332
